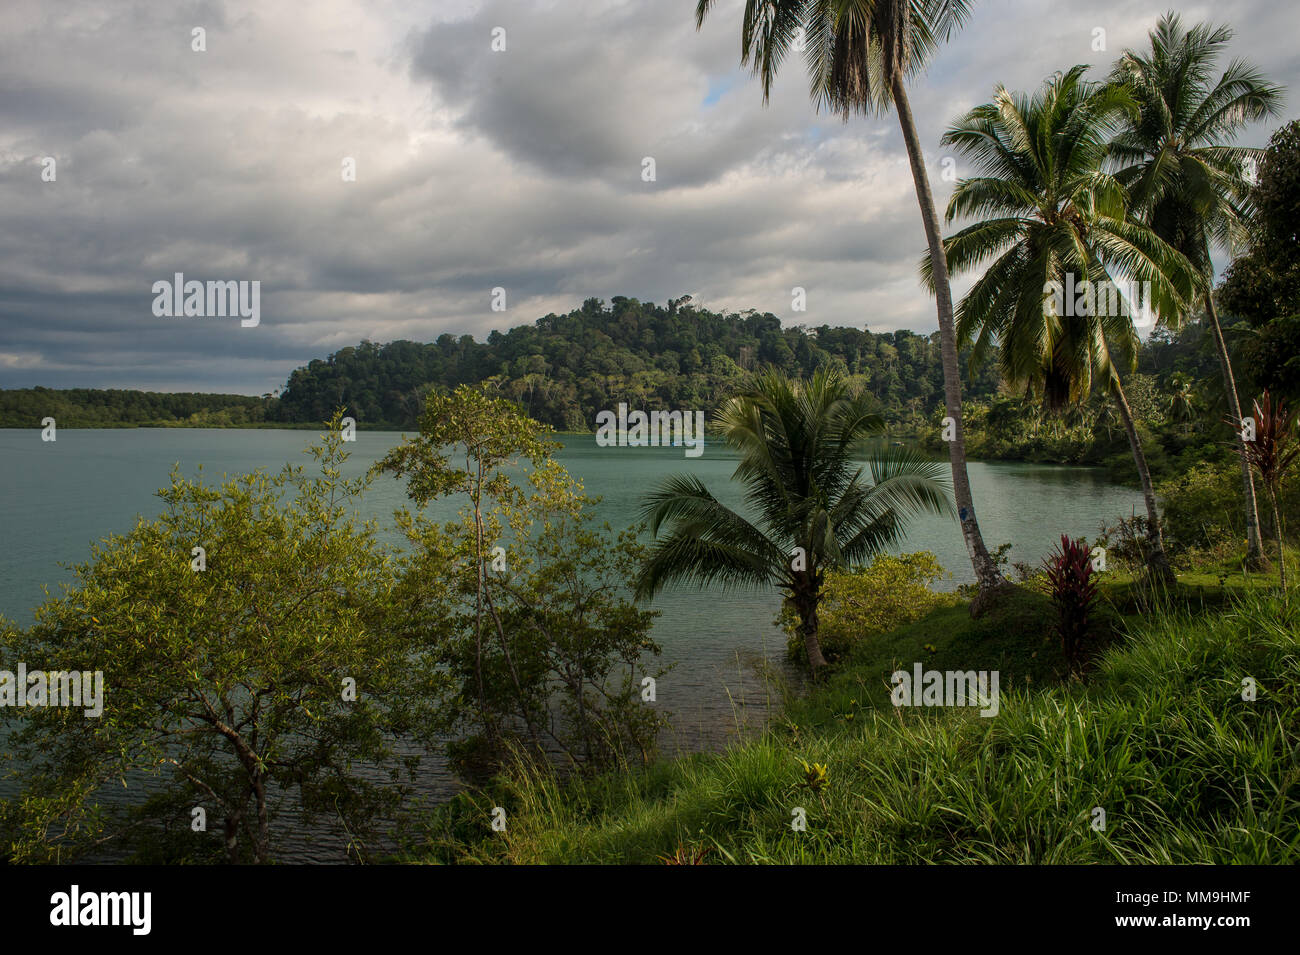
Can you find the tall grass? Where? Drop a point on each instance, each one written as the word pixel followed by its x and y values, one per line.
pixel 1158 736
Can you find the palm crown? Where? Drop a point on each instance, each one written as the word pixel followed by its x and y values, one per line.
pixel 799 467
pixel 1186 180
pixel 854 49
pixel 1050 216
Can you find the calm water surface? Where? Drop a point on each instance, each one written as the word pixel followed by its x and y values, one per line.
pixel 58 497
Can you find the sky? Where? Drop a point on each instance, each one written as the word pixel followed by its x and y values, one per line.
pixel 476 169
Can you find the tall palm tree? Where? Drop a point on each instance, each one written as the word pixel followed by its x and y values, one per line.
pixel 1186 179
pixel 812 507
pixel 1051 220
pixel 860 55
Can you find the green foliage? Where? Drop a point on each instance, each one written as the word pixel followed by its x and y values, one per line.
pixel 225 687
pixel 868 601
pixel 520 606
pixel 563 369
pixel 1263 284
pixel 1159 736
pixel 813 508
pixel 1201 513
pixel 93 408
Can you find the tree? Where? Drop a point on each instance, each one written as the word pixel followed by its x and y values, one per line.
pixel 1187 182
pixel 812 509
pixel 1264 283
pixel 1056 229
pixel 1272 451
pixel 860 55
pixel 1182 401
pixel 239 680
pixel 519 607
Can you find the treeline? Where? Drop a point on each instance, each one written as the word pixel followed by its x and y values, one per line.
pixel 1177 401
pixel 563 369
pixel 117 408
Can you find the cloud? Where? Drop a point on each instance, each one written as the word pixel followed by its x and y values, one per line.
pixel 475 169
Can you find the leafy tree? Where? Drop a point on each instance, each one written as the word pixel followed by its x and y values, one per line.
pixel 1263 284
pixel 813 510
pixel 253 684
pixel 520 605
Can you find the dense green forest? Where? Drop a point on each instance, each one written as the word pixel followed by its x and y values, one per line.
pixel 118 408
pixel 563 369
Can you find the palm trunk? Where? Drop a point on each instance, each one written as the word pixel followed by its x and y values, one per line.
pixel 805 605
pixel 986 572
pixel 1254 546
pixel 1277 530
pixel 816 661
pixel 1157 560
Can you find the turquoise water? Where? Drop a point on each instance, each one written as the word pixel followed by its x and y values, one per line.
pixel 58 497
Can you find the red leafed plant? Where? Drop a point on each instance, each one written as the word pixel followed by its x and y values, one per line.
pixel 1272 451
pixel 1069 571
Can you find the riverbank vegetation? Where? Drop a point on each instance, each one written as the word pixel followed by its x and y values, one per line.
pixel 1157 735
pixel 262 646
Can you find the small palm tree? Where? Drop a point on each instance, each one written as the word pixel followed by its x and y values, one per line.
pixel 1051 220
pixel 860 55
pixel 812 507
pixel 1272 451
pixel 1187 181
pixel 1182 401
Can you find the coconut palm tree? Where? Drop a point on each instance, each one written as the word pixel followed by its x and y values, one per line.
pixel 1182 401
pixel 1187 181
pixel 811 505
pixel 1054 230
pixel 860 55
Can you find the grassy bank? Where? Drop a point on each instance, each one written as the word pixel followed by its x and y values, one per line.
pixel 1156 734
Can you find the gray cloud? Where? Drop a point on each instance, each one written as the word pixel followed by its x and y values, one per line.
pixel 474 169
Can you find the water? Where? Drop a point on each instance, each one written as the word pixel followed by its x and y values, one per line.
pixel 58 497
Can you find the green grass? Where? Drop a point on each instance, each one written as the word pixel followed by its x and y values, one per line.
pixel 1157 734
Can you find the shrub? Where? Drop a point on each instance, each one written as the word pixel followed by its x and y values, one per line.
pixel 1069 573
pixel 890 591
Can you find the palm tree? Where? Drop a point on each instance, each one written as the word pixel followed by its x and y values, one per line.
pixel 1187 182
pixel 812 508
pixel 1182 401
pixel 1052 221
pixel 859 55
pixel 1273 451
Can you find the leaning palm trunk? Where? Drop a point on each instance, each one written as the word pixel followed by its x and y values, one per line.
pixel 986 572
pixel 1157 560
pixel 1254 548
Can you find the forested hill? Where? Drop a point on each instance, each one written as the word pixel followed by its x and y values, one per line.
pixel 563 369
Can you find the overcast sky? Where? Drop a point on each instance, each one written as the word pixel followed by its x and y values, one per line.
pixel 474 169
